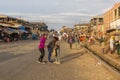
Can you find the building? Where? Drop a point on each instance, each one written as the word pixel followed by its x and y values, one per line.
pixel 8 21
pixel 41 26
pixel 82 28
pixel 79 26
pixel 97 20
pixel 112 17
pixel 97 26
pixel 96 23
pixel 66 29
pixel 16 23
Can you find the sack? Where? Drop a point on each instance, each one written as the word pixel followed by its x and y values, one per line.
pixel 54 53
pixel 49 45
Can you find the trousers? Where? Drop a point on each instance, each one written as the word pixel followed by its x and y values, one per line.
pixel 42 51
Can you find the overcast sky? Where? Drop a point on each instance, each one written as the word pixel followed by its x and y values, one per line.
pixel 56 13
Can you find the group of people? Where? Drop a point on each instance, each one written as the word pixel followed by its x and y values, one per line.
pixel 79 40
pixel 53 47
pixel 15 36
pixel 84 40
pixel 114 44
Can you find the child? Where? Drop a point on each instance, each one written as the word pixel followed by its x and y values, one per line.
pixel 103 47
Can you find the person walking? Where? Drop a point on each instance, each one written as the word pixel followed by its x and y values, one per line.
pixel 57 51
pixel 76 41
pixel 118 47
pixel 50 47
pixel 41 48
pixel 82 40
pixel 103 44
pixel 70 41
pixel 111 44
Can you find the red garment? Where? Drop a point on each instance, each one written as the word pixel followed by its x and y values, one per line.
pixel 42 42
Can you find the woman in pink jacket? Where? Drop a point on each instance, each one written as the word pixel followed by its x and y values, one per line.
pixel 41 48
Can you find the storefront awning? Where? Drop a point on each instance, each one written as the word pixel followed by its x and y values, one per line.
pixel 111 30
pixel 10 31
pixel 5 25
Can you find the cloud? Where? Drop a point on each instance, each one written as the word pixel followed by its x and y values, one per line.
pixel 67 12
pixel 53 18
pixel 75 14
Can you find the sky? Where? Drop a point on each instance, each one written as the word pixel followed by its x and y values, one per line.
pixel 56 13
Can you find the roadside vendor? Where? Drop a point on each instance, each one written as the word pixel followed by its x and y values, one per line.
pixel 118 47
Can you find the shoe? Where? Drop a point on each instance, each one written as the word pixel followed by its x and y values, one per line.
pixel 43 62
pixel 55 62
pixel 38 62
pixel 58 63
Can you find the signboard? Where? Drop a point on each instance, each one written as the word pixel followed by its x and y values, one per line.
pixel 115 24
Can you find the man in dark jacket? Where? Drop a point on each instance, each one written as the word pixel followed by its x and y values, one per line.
pixel 50 47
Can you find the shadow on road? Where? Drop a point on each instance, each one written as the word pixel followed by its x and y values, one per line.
pixel 8 56
pixel 72 56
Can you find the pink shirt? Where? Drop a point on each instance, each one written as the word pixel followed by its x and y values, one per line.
pixel 42 42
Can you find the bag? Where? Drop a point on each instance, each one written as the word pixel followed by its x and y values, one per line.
pixel 119 52
pixel 70 40
pixel 54 53
pixel 49 45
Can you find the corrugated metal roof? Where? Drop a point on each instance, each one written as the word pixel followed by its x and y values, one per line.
pixel 2 16
pixel 5 25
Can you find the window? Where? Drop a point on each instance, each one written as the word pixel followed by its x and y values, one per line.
pixel 1 19
pixel 119 11
pixel 115 12
pixel 100 19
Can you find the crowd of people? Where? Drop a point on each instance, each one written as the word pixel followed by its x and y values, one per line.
pixel 78 39
pixel 18 35
pixel 13 36
pixel 53 45
pixel 114 45
pixel 107 42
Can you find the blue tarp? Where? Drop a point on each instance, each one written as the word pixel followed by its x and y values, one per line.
pixel 22 27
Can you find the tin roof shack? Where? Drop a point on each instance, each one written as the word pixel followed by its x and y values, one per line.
pixel 38 27
pixel 83 28
pixel 14 23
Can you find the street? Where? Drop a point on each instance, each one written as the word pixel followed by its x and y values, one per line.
pixel 18 62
